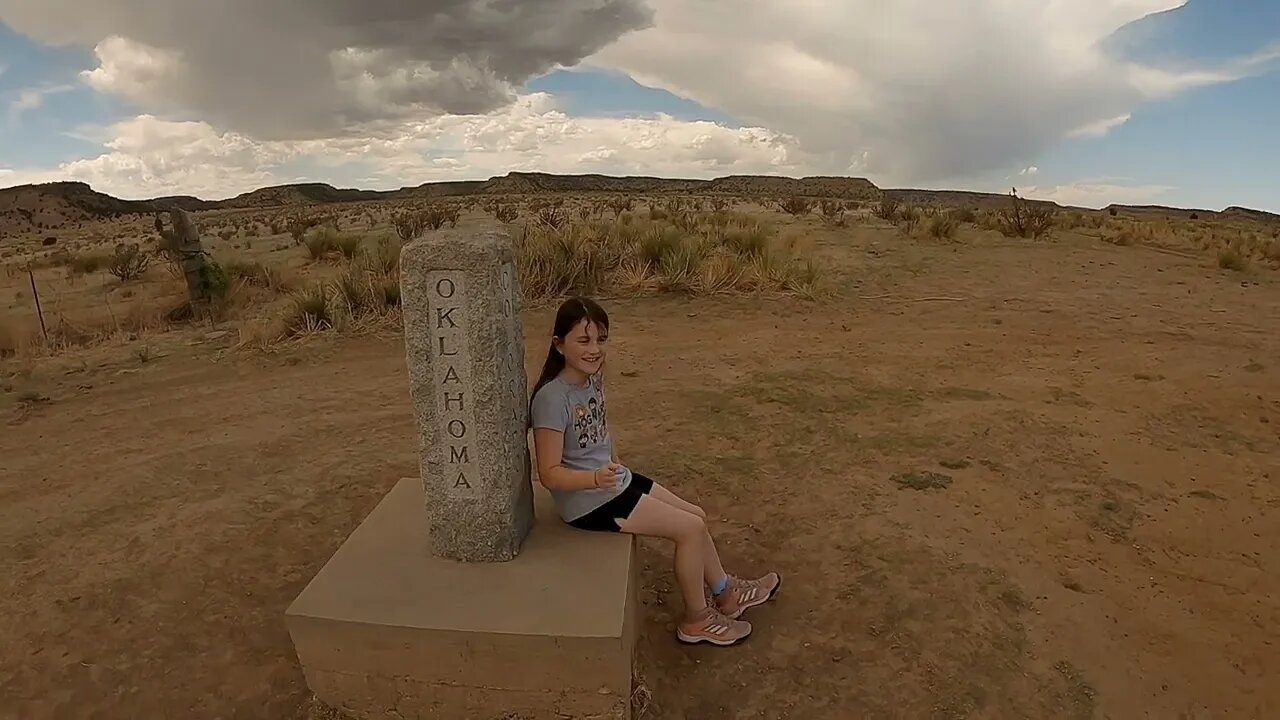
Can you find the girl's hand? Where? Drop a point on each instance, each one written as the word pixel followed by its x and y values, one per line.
pixel 608 476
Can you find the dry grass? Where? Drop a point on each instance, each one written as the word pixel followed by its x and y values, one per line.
pixel 613 245
pixel 943 225
pixel 698 255
pixel 1231 258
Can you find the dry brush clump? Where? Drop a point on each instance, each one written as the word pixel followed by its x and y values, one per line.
pixel 795 205
pixel 833 213
pixel 709 254
pixel 908 219
pixel 129 262
pixel 1023 219
pixel 943 225
pixel 365 291
pixel 326 243
pixel 1231 258
pixel 887 209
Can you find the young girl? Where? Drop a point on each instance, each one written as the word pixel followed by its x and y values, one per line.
pixel 593 491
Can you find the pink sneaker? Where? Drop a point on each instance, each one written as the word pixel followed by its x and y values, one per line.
pixel 744 594
pixel 713 627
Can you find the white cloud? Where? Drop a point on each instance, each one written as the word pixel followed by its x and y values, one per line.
pixel 147 156
pixel 1099 128
pixel 908 92
pixel 33 99
pixel 1098 193
pixel 1157 82
pixel 928 90
pixel 1029 170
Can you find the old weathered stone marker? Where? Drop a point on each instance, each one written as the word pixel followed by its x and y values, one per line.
pixel 469 609
pixel 465 343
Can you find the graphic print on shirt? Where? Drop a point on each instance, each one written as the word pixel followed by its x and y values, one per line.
pixel 589 420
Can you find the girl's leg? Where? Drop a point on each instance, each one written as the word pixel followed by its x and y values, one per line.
pixel 670 498
pixel 712 570
pixel 658 519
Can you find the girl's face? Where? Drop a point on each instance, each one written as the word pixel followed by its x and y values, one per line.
pixel 583 347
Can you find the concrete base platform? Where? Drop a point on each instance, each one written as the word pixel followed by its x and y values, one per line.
pixel 388 630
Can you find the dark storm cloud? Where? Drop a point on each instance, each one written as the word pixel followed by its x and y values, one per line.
pixel 303 68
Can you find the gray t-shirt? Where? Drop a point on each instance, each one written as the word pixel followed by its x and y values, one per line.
pixel 579 412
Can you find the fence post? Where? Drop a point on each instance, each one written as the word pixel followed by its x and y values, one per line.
pixel 39 311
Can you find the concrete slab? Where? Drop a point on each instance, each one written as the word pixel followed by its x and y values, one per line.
pixel 387 627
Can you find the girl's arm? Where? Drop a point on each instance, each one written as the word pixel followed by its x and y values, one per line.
pixel 549 449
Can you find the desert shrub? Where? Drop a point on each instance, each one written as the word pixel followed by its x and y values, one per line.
pixel 887 210
pixel 85 263
pixel 749 239
pixel 352 289
pixel 215 282
pixel 384 257
pixel 965 215
pixel 255 273
pixel 1271 250
pixel 656 242
pixel 620 204
pixel 409 225
pixel 1112 212
pixel 347 245
pixel 506 213
pixel 129 262
pixel 553 216
pixel 536 205
pixel 795 205
pixel 686 221
pixel 320 242
pixel 943 225
pixel 711 254
pixel 658 213
pixel 584 212
pixel 719 204
pixel 385 291
pixel 1023 219
pixel 298 227
pixel 309 311
pixel 678 268
pixel 909 219
pixel 324 241
pixel 833 213
pixel 436 216
pixel 1231 258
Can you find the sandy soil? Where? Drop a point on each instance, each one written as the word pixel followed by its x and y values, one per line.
pixel 1107 416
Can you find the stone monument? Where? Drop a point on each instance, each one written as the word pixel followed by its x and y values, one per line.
pixel 466 374
pixel 469 609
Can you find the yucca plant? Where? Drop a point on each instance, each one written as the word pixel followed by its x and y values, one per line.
pixel 309 312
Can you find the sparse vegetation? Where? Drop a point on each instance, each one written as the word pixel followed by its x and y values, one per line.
pixel 1230 258
pixel 1024 219
pixel 892 374
pixel 795 205
pixel 642 257
pixel 909 219
pixel 833 213
pixel 129 262
pixel 887 209
pixel 943 225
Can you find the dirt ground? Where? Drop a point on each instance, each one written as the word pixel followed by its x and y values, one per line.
pixel 1107 417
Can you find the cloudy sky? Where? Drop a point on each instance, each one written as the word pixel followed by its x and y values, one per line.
pixel 1081 101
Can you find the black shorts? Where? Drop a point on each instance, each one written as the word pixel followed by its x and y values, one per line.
pixel 605 517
